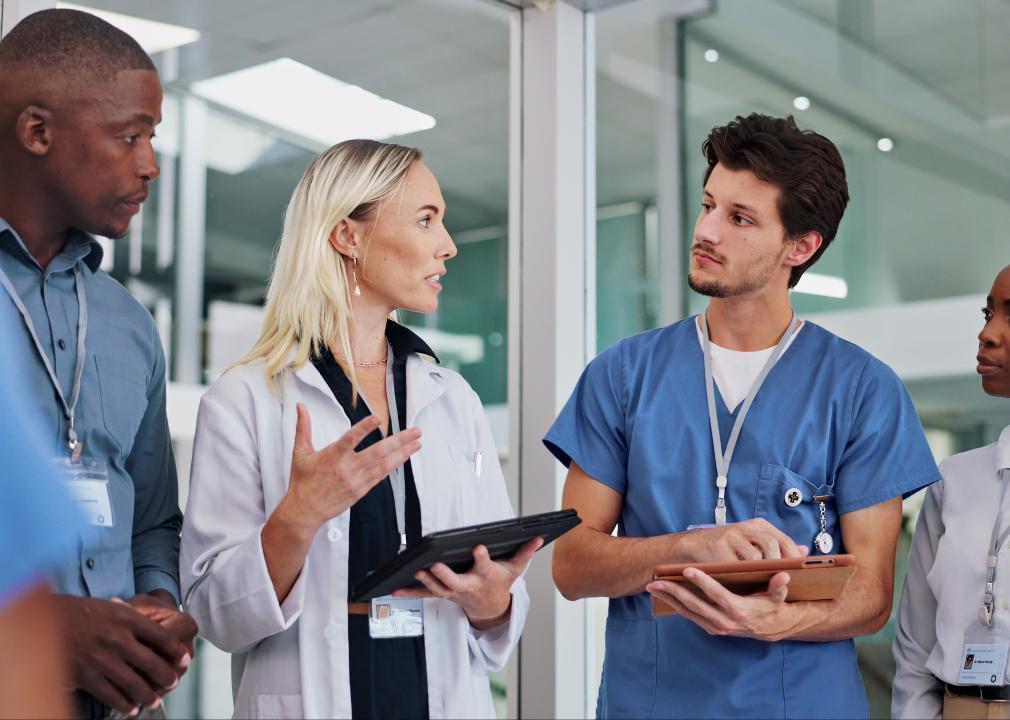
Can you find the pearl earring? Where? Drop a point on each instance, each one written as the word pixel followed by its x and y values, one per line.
pixel 354 274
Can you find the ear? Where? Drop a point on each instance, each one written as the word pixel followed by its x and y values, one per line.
pixel 345 239
pixel 802 248
pixel 35 130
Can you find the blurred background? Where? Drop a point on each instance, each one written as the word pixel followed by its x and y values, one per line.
pixel 916 93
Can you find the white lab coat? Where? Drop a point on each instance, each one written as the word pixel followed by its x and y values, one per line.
pixel 291 659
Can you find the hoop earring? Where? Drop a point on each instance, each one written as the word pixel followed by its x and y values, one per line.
pixel 354 275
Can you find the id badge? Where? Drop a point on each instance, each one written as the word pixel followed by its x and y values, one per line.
pixel 393 617
pixel 984 659
pixel 88 483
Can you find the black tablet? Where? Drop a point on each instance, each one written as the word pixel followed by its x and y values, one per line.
pixel 455 549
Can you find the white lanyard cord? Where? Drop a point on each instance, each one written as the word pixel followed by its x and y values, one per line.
pixel 722 461
pixel 69 408
pixel 985 612
pixel 397 477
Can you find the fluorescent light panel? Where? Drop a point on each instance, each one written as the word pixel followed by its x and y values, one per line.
pixel 291 96
pixel 153 36
pixel 824 285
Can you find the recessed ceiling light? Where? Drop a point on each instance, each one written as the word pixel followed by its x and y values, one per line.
pixel 801 102
pixel 712 55
pixel 293 97
pixel 824 285
pixel 885 144
pixel 153 36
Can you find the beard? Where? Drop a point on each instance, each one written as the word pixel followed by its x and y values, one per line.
pixel 756 278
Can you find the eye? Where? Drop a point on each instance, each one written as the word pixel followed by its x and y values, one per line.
pixel 987 314
pixel 706 207
pixel 741 220
pixel 425 222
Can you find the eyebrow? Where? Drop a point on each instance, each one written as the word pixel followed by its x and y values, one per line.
pixel 143 119
pixel 429 207
pixel 738 206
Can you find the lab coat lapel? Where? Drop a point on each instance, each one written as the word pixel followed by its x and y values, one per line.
pixel 424 386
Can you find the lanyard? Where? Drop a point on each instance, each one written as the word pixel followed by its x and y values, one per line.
pixel 722 460
pixel 397 477
pixel 75 445
pixel 988 600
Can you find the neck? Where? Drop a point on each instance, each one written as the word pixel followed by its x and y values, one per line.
pixel 367 330
pixel 42 231
pixel 748 323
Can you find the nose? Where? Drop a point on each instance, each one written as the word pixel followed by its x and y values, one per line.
pixel 706 228
pixel 147 168
pixel 448 250
pixel 988 337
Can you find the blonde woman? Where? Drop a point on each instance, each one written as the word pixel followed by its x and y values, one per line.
pixel 301 484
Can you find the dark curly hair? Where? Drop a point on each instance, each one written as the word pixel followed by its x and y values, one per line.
pixel 805 166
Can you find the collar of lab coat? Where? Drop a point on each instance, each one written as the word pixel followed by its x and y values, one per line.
pixel 1003 450
pixel 424 383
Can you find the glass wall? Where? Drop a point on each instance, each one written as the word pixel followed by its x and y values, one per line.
pixel 913 93
pixel 253 92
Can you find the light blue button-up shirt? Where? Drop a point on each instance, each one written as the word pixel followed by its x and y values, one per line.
pixel 120 414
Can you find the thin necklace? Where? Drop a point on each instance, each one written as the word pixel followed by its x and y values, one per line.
pixel 377 363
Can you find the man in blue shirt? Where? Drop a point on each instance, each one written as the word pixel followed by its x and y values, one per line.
pixel 739 434
pixel 79 101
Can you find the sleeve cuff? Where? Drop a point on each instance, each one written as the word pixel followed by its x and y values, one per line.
pixel 492 648
pixel 149 580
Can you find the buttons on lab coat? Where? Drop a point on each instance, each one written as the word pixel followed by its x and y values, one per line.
pixel 334 535
pixel 332 632
pixel 793 497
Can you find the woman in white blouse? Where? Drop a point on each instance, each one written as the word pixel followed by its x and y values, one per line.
pixel 953 632
pixel 301 483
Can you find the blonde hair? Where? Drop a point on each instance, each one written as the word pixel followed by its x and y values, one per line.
pixel 308 302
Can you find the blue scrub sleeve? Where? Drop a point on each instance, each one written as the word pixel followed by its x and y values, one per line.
pixel 887 454
pixel 38 521
pixel 591 427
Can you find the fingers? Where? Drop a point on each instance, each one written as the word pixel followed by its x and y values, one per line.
pixel 449 579
pixel 112 696
pixel 761 532
pixel 157 674
pixel 778 587
pixel 353 437
pixel 132 685
pixel 383 456
pixel 743 547
pixel 436 588
pixel 303 430
pixel 160 640
pixel 519 561
pixel 768 546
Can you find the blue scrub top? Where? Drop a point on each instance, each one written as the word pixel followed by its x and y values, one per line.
pixel 830 419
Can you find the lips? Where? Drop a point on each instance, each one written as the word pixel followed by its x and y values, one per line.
pixel 987 365
pixel 135 201
pixel 704 256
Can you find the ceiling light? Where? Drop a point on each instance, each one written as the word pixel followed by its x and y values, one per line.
pixel 154 37
pixel 801 102
pixel 885 144
pixel 712 55
pixel 311 105
pixel 823 285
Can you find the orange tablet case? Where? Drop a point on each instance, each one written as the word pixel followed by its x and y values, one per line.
pixel 822 577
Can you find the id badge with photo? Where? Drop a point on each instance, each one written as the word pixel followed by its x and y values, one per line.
pixel 393 617
pixel 984 659
pixel 88 483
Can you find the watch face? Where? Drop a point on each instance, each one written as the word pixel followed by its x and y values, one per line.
pixel 824 542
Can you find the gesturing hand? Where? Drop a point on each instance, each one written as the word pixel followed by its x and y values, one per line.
pixel 165 613
pixel 483 591
pixel 123 658
pixel 324 483
pixel 718 611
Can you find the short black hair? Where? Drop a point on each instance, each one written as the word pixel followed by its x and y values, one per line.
pixel 805 166
pixel 71 44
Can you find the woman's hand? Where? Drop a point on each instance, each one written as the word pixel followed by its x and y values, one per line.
pixel 484 591
pixel 324 483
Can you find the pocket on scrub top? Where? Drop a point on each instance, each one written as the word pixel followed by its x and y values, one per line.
pixel 631 668
pixel 786 500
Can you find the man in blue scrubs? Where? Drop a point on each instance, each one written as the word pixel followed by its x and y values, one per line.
pixel 743 433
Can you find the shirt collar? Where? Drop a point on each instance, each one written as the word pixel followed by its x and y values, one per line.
pixel 79 246
pixel 404 341
pixel 1003 450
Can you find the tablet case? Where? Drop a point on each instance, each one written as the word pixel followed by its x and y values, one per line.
pixel 455 549
pixel 822 577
